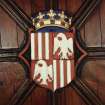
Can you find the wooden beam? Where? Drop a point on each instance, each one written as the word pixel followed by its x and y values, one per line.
pixel 10 55
pixel 16 13
pixel 96 52
pixel 83 12
pixel 86 94
pixel 23 93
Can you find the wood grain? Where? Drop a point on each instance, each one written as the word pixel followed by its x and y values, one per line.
pixel 11 35
pixel 68 96
pixel 102 21
pixel 8 31
pixel 73 5
pixel 94 75
pixel 92 30
pixel 11 78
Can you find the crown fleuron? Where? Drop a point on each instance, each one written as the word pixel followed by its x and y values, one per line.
pixel 51 18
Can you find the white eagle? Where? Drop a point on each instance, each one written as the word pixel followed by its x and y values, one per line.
pixel 44 71
pixel 65 45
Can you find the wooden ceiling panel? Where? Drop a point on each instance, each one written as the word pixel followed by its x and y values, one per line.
pixel 11 78
pixel 69 5
pixel 93 74
pixel 73 5
pixel 37 5
pixel 39 97
pixel 8 31
pixel 68 96
pixel 102 21
pixel 11 36
pixel 94 71
pixel 93 30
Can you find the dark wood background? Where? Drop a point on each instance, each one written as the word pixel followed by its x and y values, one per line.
pixel 12 74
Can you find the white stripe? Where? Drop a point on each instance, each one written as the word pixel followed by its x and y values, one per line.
pixel 40 45
pixel 47 45
pixel 33 46
pixel 68 71
pixel 61 73
pixel 55 75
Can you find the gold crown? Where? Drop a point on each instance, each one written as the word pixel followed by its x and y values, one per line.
pixel 51 18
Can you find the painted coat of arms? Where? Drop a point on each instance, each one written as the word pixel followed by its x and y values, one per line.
pixel 52 54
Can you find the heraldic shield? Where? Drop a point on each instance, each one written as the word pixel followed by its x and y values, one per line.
pixel 52 59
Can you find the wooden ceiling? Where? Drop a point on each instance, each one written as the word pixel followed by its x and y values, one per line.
pixel 12 36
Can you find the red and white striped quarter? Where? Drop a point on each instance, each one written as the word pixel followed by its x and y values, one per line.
pixel 41 46
pixel 62 73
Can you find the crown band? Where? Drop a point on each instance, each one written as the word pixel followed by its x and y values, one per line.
pixel 51 18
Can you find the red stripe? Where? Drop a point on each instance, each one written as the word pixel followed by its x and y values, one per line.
pixel 43 45
pixel 58 73
pixel 72 70
pixel 65 72
pixel 51 46
pixel 32 68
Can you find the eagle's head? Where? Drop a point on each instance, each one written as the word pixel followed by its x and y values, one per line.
pixel 61 37
pixel 41 65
